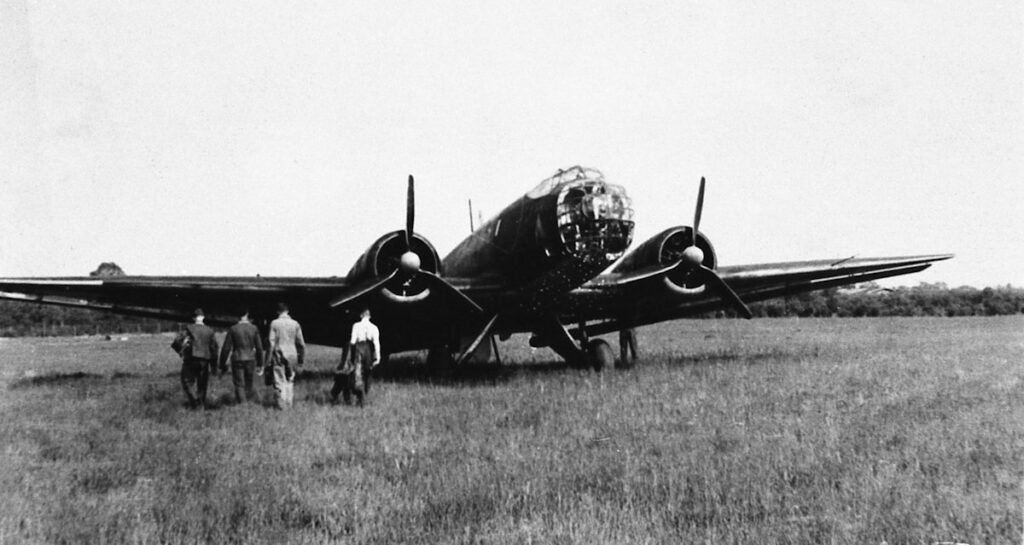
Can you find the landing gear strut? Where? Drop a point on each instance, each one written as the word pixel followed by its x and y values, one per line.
pixel 627 348
pixel 592 353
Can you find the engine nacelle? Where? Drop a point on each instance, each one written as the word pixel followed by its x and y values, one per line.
pixel 385 255
pixel 666 248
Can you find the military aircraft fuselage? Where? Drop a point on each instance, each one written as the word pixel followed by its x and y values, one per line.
pixel 550 241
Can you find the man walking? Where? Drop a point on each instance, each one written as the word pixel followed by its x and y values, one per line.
pixel 197 347
pixel 243 344
pixel 287 351
pixel 360 356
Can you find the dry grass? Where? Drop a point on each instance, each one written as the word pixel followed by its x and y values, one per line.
pixel 768 431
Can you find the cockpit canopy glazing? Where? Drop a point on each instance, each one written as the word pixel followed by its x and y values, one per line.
pixel 571 174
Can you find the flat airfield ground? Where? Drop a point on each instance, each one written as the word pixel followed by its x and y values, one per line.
pixel 902 430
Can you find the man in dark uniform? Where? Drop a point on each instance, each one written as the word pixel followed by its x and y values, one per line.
pixel 360 356
pixel 197 347
pixel 242 342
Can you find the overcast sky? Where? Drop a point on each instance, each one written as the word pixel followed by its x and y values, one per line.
pixel 270 137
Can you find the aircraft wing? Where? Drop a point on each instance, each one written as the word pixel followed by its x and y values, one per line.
pixel 172 297
pixel 650 295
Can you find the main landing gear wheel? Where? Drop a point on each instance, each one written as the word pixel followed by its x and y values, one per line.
pixel 599 354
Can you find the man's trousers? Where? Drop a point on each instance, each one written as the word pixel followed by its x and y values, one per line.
pixel 195 379
pixel 283 392
pixel 241 377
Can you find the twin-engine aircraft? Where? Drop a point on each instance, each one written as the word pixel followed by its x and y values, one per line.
pixel 555 263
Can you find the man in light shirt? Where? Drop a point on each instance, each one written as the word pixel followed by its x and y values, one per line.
pixel 287 351
pixel 360 356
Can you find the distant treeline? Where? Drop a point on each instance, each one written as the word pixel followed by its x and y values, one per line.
pixel 27 319
pixel 871 300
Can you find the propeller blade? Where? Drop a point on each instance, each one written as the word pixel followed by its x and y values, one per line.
pixel 697 212
pixel 726 293
pixel 410 215
pixel 362 291
pixel 442 286
pixel 476 342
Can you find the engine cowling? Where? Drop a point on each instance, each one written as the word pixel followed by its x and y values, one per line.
pixel 666 248
pixel 385 255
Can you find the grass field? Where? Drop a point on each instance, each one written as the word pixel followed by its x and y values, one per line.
pixel 763 431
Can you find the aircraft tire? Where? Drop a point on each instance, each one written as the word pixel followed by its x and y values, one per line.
pixel 599 354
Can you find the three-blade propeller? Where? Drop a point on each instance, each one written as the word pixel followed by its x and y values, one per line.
pixel 693 259
pixel 408 269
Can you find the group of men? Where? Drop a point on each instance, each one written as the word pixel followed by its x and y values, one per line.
pixel 277 360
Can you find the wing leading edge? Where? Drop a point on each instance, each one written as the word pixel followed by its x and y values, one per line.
pixel 751 279
pixel 172 297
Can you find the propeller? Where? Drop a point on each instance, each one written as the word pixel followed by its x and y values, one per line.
pixel 408 269
pixel 693 259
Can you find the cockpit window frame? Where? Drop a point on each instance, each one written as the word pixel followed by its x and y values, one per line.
pixel 553 184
